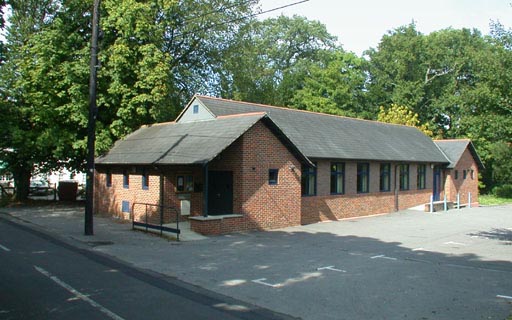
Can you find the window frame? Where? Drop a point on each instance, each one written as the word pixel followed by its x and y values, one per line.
pixel 363 172
pixel 385 173
pixel 456 174
pixel 145 180
pixel 184 183
pixel 195 109
pixel 308 172
pixel 126 179
pixel 404 181
pixel 273 181
pixel 108 178
pixel 421 178
pixel 335 174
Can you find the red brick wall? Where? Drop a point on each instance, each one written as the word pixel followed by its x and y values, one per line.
pixel 461 185
pixel 325 206
pixel 261 205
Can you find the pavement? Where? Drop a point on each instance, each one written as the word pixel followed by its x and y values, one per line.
pixel 404 265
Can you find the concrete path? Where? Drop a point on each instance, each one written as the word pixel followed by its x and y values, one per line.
pixel 405 265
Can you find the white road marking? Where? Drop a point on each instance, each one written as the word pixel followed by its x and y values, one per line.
pixel 382 257
pixel 262 281
pixel 455 243
pixel 332 268
pixel 4 248
pixel 418 249
pixel 504 297
pixel 78 294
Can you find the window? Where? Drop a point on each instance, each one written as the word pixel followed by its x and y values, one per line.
pixel 195 109
pixel 337 178
pixel 464 174
pixel 363 178
pixel 385 177
pixel 145 180
pixel 309 180
pixel 126 179
pixel 185 183
pixel 472 174
pixel 422 176
pixel 404 177
pixel 108 178
pixel 456 174
pixel 273 175
pixel 125 206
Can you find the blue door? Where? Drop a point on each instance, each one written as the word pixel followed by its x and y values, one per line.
pixel 437 184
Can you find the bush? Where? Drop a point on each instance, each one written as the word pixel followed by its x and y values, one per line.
pixel 504 191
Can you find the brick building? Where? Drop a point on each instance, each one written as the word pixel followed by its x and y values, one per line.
pixel 232 166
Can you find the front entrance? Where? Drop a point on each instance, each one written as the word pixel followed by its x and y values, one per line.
pixel 220 192
pixel 437 184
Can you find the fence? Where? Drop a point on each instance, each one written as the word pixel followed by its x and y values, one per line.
pixel 155 219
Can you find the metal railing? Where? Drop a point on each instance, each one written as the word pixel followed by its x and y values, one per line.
pixel 147 223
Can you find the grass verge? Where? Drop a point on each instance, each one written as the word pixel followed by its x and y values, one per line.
pixel 492 200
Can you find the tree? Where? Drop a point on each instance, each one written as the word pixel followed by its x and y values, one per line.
pixel 335 86
pixel 153 56
pixel 269 59
pixel 402 115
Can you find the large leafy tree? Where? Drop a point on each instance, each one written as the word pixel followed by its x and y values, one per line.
pixel 334 86
pixel 153 56
pixel 268 60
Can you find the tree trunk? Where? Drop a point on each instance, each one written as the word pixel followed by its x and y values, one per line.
pixel 22 177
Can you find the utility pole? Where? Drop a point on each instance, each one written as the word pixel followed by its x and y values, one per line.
pixel 91 127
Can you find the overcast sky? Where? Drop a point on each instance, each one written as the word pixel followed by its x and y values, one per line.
pixel 360 24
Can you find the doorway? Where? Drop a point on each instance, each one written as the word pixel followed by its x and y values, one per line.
pixel 436 193
pixel 220 192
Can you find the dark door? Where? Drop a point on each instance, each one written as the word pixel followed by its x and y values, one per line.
pixel 220 192
pixel 437 184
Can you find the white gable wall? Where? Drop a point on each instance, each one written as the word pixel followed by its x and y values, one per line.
pixel 196 111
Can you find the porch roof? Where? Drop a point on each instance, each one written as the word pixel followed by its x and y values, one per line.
pixel 179 143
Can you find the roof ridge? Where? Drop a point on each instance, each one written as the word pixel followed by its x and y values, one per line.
pixel 302 111
pixel 449 140
pixel 247 114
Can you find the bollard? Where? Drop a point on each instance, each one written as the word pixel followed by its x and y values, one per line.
pixel 469 199
pixel 445 205
pixel 458 201
pixel 431 203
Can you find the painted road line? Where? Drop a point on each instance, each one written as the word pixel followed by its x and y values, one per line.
pixel 332 268
pixel 503 297
pixel 455 243
pixel 262 281
pixel 78 294
pixel 418 249
pixel 4 248
pixel 383 257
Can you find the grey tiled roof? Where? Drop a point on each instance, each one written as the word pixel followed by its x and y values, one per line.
pixel 453 149
pixel 179 143
pixel 324 136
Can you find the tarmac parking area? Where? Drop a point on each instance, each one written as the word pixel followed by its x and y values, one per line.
pixel 404 265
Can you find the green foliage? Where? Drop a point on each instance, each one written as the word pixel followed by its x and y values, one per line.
pixel 492 200
pixel 334 87
pixel 268 60
pixel 504 191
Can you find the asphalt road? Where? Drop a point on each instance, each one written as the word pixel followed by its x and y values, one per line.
pixel 42 277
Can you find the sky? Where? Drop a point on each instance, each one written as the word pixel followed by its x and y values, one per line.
pixel 360 24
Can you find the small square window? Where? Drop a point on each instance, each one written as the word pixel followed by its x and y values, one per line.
pixel 125 206
pixel 273 175
pixel 195 109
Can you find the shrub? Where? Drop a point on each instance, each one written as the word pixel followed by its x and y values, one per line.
pixel 504 191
